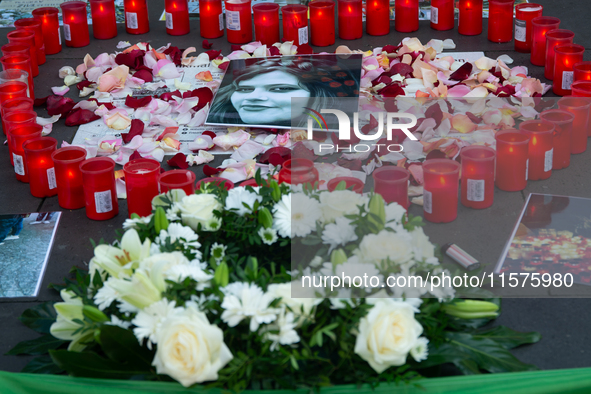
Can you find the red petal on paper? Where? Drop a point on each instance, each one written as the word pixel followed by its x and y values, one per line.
pixel 209 133
pixel 401 68
pixel 175 54
pixel 206 44
pixel 58 105
pixel 80 116
pixel 167 131
pixel 209 171
pixel 136 103
pixel 178 161
pixel 345 143
pixel 373 123
pixel 135 155
pixel 390 106
pixel 168 96
pixel 305 49
pixel 205 96
pixel 275 156
pixel 301 152
pixel 224 66
pixel 461 73
pixel 40 101
pixel 436 154
pixel 137 128
pixel 393 90
pixel 108 106
pixel 213 54
pixel 353 165
pixel 83 84
pixel 145 75
pixel 434 111
pixel 133 59
pixel 320 136
pixel 274 51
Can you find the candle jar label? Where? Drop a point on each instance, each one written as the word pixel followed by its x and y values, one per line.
pixel 427 201
pixel 303 35
pixel 19 166
pixel 131 18
pixel 221 21
pixel 51 178
pixel 567 79
pixel 67 33
pixel 475 190
pixel 169 24
pixel 233 20
pixel 548 160
pixel 434 15
pixel 103 201
pixel 520 29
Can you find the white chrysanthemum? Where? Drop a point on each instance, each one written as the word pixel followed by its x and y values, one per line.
pixel 376 248
pixel 177 231
pixel 218 251
pixel 352 268
pixel 238 197
pixel 408 286
pixel 422 247
pixel 421 349
pixel 106 295
pixel 443 293
pixel 149 319
pixel 282 216
pixel 201 300
pixel 296 215
pixel 394 212
pixel 268 235
pixel 286 333
pixel 193 270
pixel 339 233
pixel 251 303
pixel 133 223
pixel 115 321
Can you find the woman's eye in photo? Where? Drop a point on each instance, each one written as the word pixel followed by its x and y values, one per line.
pixel 244 90
pixel 284 88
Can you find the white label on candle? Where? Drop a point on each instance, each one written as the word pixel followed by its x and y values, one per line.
pixel 221 21
pixel 434 15
pixel 567 79
pixel 67 34
pixel 520 30
pixel 51 178
pixel 233 20
pixel 475 190
pixel 169 24
pixel 526 168
pixel 548 160
pixel 19 167
pixel 427 201
pixel 131 19
pixel 303 35
pixel 103 201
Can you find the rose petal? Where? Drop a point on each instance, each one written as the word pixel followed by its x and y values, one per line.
pixel 178 161
pixel 80 116
pixel 137 128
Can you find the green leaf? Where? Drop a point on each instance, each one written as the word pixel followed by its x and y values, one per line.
pixel 507 337
pixel 122 346
pixel 91 365
pixel 43 364
pixel 39 318
pixel 36 346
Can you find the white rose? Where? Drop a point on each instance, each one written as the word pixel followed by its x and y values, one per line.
pixel 375 248
pixel 387 334
pixel 301 307
pixel 394 212
pixel 338 203
pixel 423 248
pixel 198 209
pixel 190 349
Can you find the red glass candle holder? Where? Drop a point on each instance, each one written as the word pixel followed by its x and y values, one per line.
pixel 13 105
pixel 295 23
pixel 76 32
pixel 50 25
pixel 567 56
pixel 137 20
pixel 406 16
pixel 70 190
pixel 442 14
pixel 512 160
pixel 33 25
pixel 377 17
pixel 17 136
pixel 15 49
pixel 19 62
pixel 580 108
pixel 581 89
pixel 440 195
pixel 11 90
pixel 177 17
pixel 238 21
pixel 553 39
pixel 299 171
pixel 211 18
pixel 470 17
pixel 228 185
pixel 40 166
pixel 322 27
pixel 100 193
pixel 17 118
pixel 500 20
pixel 524 14
pixel 350 19
pixel 177 179
pixel 141 182
pixel 540 26
pixel 391 183
pixel 351 183
pixel 563 126
pixel 27 39
pixel 478 176
pixel 540 148
pixel 104 20
pixel 582 71
pixel 266 23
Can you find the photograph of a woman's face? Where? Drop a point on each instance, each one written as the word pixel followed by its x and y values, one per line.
pixel 258 92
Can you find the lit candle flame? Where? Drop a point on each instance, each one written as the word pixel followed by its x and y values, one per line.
pixel 442 180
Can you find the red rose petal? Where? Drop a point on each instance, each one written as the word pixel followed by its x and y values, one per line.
pixel 206 44
pixel 461 73
pixel 40 101
pixel 235 47
pixel 168 96
pixel 274 51
pixel 133 59
pixel 434 112
pixel 135 155
pixel 205 96
pixel 224 66
pixel 80 116
pixel 209 133
pixel 136 103
pixel 137 128
pixel 281 151
pixel 58 105
pixel 353 165
pixel 83 84
pixel 305 49
pixel 175 54
pixel 373 123
pixel 436 154
pixel 392 90
pixel 210 171
pixel 301 152
pixel 144 75
pixel 401 68
pixel 213 54
pixel 178 161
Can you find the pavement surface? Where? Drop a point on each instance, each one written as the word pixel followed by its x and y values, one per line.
pixel 563 323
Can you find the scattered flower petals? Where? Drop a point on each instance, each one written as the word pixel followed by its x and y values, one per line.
pixel 178 161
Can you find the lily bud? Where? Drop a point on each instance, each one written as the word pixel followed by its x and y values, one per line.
pixel 265 217
pixel 338 256
pixel 378 212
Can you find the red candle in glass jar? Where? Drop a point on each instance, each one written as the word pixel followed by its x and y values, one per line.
pixel 17 137
pixel 581 89
pixel 76 31
pixel 295 23
pixel 14 75
pixel 40 166
pixel 238 21
pixel 350 183
pixel 440 194
pixel 137 20
pixel 16 119
pixel 100 193
pixel 227 184
pixel 50 25
pixel 141 182
pixel 177 179
pixel 391 183
pixel 553 39
pixel 524 13
pixel 567 56
pixel 322 28
pixel 540 148
pixel 580 108
pixel 512 160
pixel 177 17
pixel 70 190
pixel 33 25
pixel 540 26
pixel 500 20
pixel 563 126
pixel 26 38
pixel 470 17
pixel 478 176
pixel 299 171
pixel 406 16
pixel 350 19
pixel 377 17
pixel 582 71
pixel 19 62
pixel 266 23
pixel 14 105
pixel 442 14
pixel 104 21
pixel 211 18
pixel 12 90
